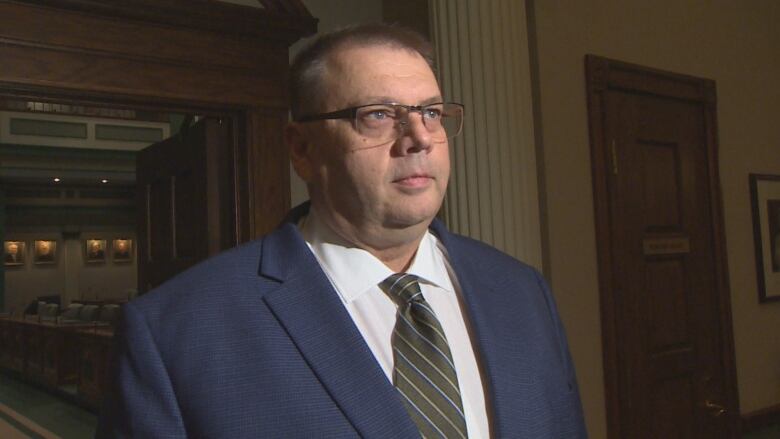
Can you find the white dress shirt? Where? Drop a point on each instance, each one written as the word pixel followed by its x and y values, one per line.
pixel 356 274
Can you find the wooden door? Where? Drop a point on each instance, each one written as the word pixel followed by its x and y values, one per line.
pixel 669 349
pixel 186 201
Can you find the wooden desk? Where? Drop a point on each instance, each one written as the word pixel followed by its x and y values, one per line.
pixel 54 353
pixel 95 347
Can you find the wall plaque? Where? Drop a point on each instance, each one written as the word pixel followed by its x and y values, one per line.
pixel 666 245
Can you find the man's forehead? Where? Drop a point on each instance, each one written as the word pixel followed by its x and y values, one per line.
pixel 376 57
pixel 377 74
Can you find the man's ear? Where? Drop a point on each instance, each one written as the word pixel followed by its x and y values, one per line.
pixel 297 140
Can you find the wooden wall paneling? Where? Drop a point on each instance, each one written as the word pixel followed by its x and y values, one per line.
pixel 282 21
pixel 35 25
pixel 155 81
pixel 241 178
pixel 220 150
pixel 270 189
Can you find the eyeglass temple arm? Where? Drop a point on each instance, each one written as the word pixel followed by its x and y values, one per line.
pixel 347 113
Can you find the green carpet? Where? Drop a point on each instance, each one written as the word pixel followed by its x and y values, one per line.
pixel 12 426
pixel 50 412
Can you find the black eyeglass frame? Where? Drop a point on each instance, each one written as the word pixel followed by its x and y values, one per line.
pixel 351 112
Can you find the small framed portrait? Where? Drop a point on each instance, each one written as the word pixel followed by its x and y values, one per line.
pixel 765 202
pixel 13 253
pixel 122 250
pixel 95 250
pixel 45 252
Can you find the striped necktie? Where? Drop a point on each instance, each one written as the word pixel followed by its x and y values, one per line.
pixel 423 371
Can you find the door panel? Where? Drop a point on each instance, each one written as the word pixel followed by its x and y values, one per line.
pixel 186 201
pixel 669 368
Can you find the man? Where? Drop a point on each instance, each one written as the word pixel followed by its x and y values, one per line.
pixel 95 249
pixel 44 251
pixel 121 249
pixel 12 254
pixel 361 316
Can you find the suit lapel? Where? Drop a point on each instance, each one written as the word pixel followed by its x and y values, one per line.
pixel 319 325
pixel 502 339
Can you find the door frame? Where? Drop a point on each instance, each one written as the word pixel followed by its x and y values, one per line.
pixel 602 75
pixel 207 56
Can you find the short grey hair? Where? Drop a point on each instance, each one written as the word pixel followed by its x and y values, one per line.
pixel 308 67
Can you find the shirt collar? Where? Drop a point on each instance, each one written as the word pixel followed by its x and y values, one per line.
pixel 354 271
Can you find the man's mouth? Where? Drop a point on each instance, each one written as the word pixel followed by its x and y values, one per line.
pixel 414 180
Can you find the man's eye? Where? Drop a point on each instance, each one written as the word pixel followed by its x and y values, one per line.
pixel 378 114
pixel 432 113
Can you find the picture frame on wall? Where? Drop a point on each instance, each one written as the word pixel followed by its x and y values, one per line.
pixel 13 253
pixel 95 250
pixel 44 251
pixel 765 205
pixel 122 250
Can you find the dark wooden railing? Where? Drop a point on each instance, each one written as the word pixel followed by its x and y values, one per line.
pixel 58 355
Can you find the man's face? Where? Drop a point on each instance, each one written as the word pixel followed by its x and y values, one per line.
pixel 44 247
pixel 390 186
pixel 13 248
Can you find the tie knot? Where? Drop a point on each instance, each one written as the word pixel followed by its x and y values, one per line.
pixel 402 288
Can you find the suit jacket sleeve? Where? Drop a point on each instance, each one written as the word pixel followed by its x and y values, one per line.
pixel 140 402
pixel 573 423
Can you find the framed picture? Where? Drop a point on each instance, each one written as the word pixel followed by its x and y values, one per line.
pixel 765 202
pixel 95 250
pixel 45 252
pixel 122 250
pixel 13 253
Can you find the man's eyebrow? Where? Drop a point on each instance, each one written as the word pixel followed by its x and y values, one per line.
pixel 433 100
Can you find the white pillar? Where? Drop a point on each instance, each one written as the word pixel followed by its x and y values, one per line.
pixel 484 63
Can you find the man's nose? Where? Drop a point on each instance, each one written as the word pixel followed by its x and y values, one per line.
pixel 415 136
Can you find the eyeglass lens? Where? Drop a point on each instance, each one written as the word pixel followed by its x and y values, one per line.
pixel 387 121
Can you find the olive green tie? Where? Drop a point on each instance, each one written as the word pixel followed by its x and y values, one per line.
pixel 423 371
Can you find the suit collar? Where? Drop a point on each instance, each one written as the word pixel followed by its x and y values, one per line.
pixel 317 322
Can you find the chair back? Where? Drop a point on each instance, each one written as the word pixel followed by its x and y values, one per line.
pixel 72 311
pixel 109 313
pixel 88 313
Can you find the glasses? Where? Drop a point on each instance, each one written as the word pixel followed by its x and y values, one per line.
pixel 387 122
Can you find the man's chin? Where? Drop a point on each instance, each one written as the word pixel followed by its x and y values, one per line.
pixel 411 219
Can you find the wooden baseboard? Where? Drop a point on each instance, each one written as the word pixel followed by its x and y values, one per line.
pixel 761 418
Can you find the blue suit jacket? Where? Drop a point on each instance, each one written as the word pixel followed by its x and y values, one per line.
pixel 256 343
